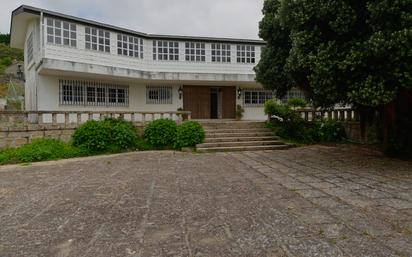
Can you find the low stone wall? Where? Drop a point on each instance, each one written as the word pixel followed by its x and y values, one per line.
pixel 18 136
pixel 19 128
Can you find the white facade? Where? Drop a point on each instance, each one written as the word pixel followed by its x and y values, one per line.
pixel 48 63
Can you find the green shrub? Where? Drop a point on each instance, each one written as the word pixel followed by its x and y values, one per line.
pixel 47 149
pixel 41 150
pixel 8 156
pixel 189 134
pixel 291 126
pixel 239 112
pixel 161 133
pixel 273 108
pixel 297 102
pixel 93 135
pixel 6 61
pixel 106 135
pixel 142 145
pixel 123 134
pixel 328 131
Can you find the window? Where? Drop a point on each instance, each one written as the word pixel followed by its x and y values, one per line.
pixel 195 52
pixel 129 46
pixel 256 97
pixel 61 32
pixel 165 50
pixel 159 95
pixel 246 54
pixel 221 53
pixel 82 93
pixel 293 93
pixel 30 48
pixel 97 39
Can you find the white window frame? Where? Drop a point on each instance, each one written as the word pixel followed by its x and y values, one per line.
pixel 159 94
pixel 165 50
pixel 30 48
pixel 246 54
pixel 61 32
pixel 97 39
pixel 129 46
pixel 221 53
pixel 293 93
pixel 195 52
pixel 253 97
pixel 90 93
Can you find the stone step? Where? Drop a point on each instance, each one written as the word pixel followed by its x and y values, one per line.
pixel 231 130
pixel 243 148
pixel 241 143
pixel 233 125
pixel 244 134
pixel 239 139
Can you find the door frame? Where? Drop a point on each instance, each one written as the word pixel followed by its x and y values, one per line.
pixel 197 99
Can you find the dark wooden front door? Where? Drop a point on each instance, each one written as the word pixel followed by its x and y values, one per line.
pixel 228 102
pixel 197 100
pixel 203 101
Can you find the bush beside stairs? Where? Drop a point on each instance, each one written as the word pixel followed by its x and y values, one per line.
pixel 227 136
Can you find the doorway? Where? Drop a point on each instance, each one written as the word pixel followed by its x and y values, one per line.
pixel 215 103
pixel 210 102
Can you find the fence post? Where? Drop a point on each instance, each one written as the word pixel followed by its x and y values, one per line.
pixel 54 118
pixel 39 118
pixel 330 115
pixel 335 115
pixel 66 118
pixel 342 115
pixel 306 113
pixel 349 115
pixel 79 118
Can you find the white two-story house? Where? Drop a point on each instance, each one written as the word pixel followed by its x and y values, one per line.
pixel 73 64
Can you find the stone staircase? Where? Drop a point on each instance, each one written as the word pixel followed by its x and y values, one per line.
pixel 226 136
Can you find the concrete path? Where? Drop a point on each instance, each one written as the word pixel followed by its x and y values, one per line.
pixel 311 201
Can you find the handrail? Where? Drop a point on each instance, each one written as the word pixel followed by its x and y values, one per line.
pixel 337 114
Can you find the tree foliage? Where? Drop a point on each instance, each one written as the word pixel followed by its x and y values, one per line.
pixel 5 39
pixel 350 51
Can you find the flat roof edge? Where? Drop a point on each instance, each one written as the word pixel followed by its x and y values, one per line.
pixel 38 11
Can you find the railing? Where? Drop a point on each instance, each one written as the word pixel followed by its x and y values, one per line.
pixel 22 118
pixel 338 114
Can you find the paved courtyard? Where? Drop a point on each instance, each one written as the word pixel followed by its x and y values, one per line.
pixel 311 201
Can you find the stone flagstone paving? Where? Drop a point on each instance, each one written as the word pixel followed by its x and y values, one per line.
pixel 310 201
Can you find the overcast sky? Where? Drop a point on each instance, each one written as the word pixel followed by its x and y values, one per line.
pixel 215 18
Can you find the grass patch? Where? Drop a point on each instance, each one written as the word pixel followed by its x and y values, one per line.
pixel 41 150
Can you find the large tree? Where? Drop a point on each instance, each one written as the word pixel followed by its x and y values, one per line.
pixel 338 51
pixel 5 39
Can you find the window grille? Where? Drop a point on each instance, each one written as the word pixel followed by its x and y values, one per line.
pixel 61 32
pixel 159 95
pixel 221 53
pixel 97 39
pixel 245 54
pixel 195 52
pixel 129 46
pixel 87 93
pixel 256 97
pixel 165 50
pixel 293 93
